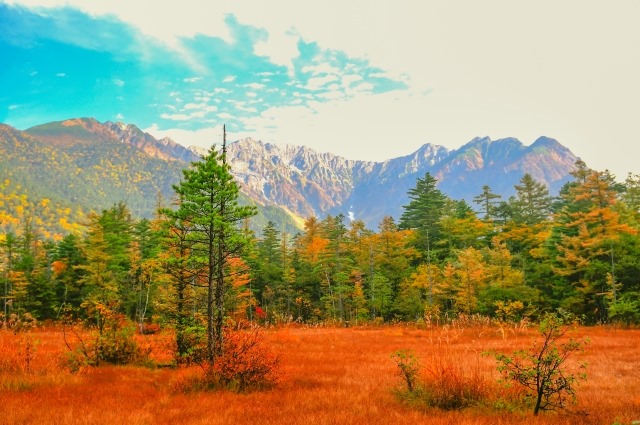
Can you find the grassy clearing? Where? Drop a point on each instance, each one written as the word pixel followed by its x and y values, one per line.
pixel 328 376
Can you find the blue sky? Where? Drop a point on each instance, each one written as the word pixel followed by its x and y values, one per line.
pixel 65 63
pixel 363 79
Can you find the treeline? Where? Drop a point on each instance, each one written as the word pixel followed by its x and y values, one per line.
pixel 510 259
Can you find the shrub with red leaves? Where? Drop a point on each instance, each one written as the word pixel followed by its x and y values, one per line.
pixel 246 363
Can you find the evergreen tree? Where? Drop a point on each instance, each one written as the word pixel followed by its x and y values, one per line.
pixel 185 276
pixel 532 204
pixel 589 228
pixel 98 282
pixel 66 258
pixel 423 214
pixel 9 248
pixel 267 285
pixel 487 201
pixel 209 203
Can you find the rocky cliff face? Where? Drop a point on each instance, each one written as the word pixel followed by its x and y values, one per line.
pixel 164 148
pixel 304 181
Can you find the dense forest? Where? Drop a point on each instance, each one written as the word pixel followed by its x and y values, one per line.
pixel 505 258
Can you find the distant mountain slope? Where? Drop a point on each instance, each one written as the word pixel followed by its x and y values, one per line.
pixel 83 164
pixel 501 163
pixel 86 164
pixel 93 165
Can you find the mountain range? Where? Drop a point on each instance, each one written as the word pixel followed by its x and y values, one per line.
pixel 91 165
pixel 310 183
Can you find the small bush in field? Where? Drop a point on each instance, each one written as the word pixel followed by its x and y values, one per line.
pixel 18 323
pixel 245 363
pixel 408 367
pixel 542 369
pixel 113 342
pixel 444 385
pixel 449 386
pixel 192 345
pixel 117 346
pixel 17 352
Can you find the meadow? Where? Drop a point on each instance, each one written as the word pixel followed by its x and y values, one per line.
pixel 327 375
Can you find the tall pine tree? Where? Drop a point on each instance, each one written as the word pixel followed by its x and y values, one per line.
pixel 209 203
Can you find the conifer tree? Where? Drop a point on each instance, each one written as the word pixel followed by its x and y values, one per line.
pixel 487 201
pixel 532 204
pixel 209 204
pixel 589 227
pixel 423 214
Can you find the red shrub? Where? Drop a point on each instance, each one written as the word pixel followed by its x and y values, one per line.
pixel 246 363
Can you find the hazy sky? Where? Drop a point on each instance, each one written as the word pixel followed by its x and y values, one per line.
pixel 363 79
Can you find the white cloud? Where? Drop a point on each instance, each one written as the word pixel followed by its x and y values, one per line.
pixel 347 80
pixel 175 117
pixel 240 106
pixel 323 68
pixel 302 95
pixel 118 82
pixel 331 95
pixel 192 79
pixel 245 109
pixel 255 86
pixel 316 83
pixel 280 47
pixel 229 79
pixel 205 137
pixel 183 116
pixel 163 20
pixel 61 74
pixel 195 105
pixel 363 87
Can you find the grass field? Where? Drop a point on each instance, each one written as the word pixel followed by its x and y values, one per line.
pixel 327 376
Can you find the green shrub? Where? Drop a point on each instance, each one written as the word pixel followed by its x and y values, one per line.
pixel 542 369
pixel 408 366
pixel 112 342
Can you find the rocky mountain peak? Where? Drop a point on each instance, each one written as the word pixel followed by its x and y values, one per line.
pixel 197 150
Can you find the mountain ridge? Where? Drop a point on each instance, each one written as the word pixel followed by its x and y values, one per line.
pixel 301 182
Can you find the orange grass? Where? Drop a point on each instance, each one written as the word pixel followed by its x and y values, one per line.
pixel 327 376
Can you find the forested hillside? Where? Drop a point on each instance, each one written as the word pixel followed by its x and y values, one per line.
pixel 74 167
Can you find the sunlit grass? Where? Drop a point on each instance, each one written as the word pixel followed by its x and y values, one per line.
pixel 327 376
